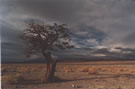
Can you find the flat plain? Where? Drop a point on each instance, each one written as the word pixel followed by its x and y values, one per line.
pixel 72 75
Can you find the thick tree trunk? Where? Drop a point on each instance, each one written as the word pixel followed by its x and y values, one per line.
pixel 50 72
pixel 50 69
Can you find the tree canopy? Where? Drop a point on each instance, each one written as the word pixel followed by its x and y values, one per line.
pixel 45 38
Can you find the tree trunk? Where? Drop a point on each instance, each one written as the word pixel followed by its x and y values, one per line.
pixel 50 68
pixel 50 72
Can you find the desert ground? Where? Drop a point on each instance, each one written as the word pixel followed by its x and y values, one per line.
pixel 73 75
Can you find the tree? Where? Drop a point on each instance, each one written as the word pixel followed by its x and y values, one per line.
pixel 44 39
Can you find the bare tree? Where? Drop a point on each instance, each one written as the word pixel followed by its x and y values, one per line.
pixel 45 38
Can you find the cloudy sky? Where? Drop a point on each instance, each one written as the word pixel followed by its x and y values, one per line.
pixel 100 28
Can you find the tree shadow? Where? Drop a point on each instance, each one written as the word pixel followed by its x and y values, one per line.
pixel 30 81
pixel 59 80
pixel 103 76
pixel 38 81
pixel 106 76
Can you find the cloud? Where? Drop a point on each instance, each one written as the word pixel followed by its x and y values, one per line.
pixel 94 23
pixel 112 17
pixel 129 39
pixel 96 53
pixel 87 36
pixel 9 33
pixel 58 10
pixel 12 52
pixel 115 17
pixel 12 47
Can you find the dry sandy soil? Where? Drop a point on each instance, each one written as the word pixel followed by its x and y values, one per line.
pixel 76 75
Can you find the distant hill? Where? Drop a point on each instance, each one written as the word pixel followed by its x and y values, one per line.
pixel 65 60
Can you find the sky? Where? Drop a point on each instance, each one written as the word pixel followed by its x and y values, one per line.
pixel 100 28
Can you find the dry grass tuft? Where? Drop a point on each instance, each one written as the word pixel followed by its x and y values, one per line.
pixel 83 69
pixel 67 69
pixel 12 79
pixel 92 71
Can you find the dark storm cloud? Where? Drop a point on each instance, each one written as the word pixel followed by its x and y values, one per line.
pixel 9 33
pixel 87 36
pixel 56 10
pixel 11 52
pixel 95 53
pixel 128 53
pixel 123 53
pixel 112 17
pixel 101 51
pixel 11 44
pixel 125 49
pixel 85 32
pixel 130 38
pixel 108 23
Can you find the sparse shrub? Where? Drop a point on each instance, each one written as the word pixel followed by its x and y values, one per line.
pixel 12 79
pixel 84 69
pixel 115 70
pixel 92 71
pixel 103 69
pixel 67 69
pixel 122 70
pixel 119 87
